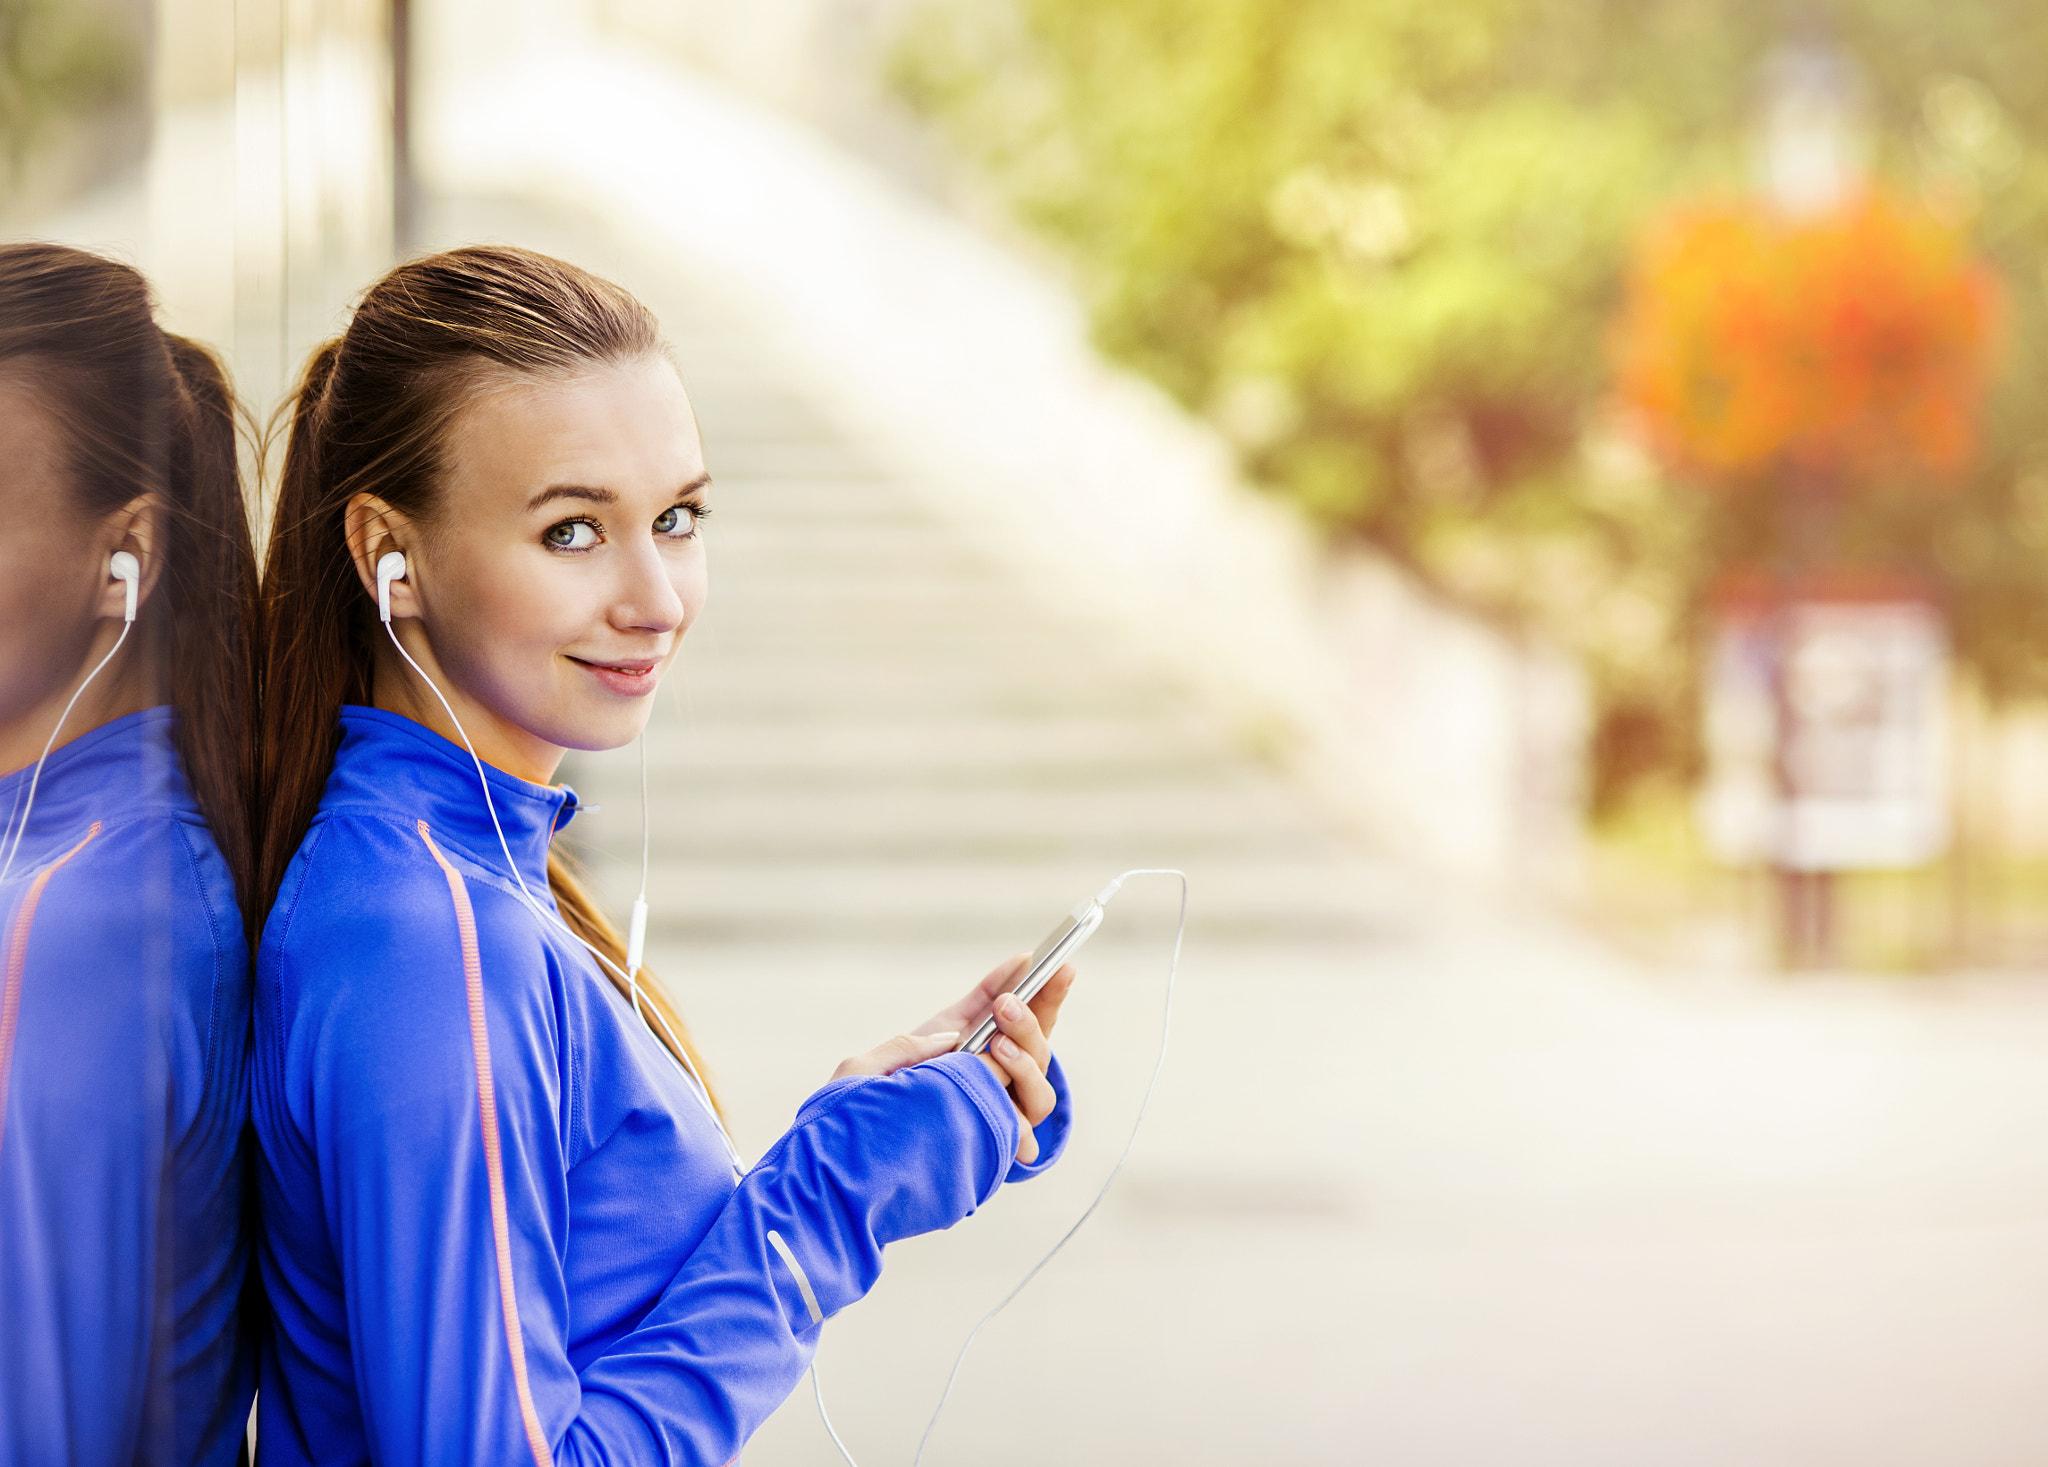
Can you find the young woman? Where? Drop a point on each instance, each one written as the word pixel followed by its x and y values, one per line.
pixel 501 1220
pixel 126 591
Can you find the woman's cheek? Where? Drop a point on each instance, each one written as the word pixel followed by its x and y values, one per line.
pixel 498 638
pixel 535 610
pixel 693 588
pixel 45 631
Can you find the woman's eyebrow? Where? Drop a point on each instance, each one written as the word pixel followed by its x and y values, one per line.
pixel 571 491
pixel 593 495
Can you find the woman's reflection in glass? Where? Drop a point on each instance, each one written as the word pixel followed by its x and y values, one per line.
pixel 124 974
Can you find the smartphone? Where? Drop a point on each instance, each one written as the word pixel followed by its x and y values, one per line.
pixel 1060 944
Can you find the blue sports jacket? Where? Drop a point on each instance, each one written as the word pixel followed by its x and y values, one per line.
pixel 124 1046
pixel 498 1226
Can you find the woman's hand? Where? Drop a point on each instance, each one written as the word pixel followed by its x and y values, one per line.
pixel 1018 1057
pixel 896 1054
pixel 1022 1049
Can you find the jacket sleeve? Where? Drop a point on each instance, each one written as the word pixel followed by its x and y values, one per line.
pixel 1051 1132
pixel 868 1161
pixel 84 1105
pixel 445 1172
pixel 205 1248
pixel 122 1245
pixel 430 1107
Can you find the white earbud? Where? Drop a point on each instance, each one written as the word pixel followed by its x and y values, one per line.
pixel 124 567
pixel 390 567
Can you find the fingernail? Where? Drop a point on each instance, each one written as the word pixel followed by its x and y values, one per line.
pixel 1006 1047
pixel 1010 1007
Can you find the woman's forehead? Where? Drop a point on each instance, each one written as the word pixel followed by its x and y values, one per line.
pixel 626 427
pixel 31 441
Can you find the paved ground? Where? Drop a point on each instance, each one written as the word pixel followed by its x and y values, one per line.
pixel 1428 1182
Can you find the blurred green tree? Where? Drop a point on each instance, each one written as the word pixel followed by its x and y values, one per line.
pixel 1380 243
pixel 58 58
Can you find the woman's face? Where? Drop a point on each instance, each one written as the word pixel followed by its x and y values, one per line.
pixel 54 589
pixel 562 565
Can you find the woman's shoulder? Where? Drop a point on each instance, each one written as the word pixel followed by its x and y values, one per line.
pixel 370 894
pixel 372 974
pixel 135 878
pixel 358 881
pixel 142 905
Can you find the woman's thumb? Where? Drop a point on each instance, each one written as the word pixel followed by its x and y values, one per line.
pixel 910 1049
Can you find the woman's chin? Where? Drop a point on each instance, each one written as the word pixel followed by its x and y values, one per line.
pixel 588 713
pixel 594 734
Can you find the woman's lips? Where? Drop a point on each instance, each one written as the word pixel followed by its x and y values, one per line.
pixel 629 679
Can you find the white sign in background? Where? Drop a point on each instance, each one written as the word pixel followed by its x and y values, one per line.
pixel 1827 737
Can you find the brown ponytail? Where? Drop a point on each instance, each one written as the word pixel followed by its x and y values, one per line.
pixel 371 415
pixel 584 918
pixel 143 411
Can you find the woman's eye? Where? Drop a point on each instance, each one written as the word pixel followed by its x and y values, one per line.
pixel 572 535
pixel 679 519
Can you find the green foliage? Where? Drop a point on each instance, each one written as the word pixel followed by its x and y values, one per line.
pixel 1380 242
pixel 56 58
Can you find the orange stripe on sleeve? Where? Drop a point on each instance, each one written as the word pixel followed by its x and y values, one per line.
pixel 494 1164
pixel 17 964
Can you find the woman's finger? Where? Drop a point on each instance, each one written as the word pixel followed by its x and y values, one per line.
pixel 1016 1020
pixel 896 1054
pixel 1030 1091
pixel 1018 1074
pixel 1002 976
pixel 1045 1007
pixel 974 1005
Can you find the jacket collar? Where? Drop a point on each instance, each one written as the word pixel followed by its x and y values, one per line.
pixel 122 769
pixel 391 766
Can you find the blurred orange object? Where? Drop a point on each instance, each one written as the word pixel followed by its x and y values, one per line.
pixel 1855 345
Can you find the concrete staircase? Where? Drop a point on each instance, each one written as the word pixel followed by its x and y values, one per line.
pixel 886 763
pixel 1427 1180
pixel 879 733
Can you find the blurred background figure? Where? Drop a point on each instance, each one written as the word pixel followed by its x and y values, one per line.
pixel 1541 508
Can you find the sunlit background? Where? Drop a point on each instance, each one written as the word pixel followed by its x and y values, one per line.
pixel 1541 508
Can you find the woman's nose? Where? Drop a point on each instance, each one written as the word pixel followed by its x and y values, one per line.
pixel 648 600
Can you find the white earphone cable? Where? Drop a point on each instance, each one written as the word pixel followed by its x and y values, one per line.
pixel 645 825
pixel 636 929
pixel 27 806
pixel 818 1393
pixel 630 975
pixel 697 1086
pixel 1158 1064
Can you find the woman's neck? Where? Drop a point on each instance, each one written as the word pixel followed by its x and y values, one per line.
pixel 502 745
pixel 123 688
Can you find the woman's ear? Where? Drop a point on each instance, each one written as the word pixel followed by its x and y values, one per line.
pixel 137 528
pixel 374 529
